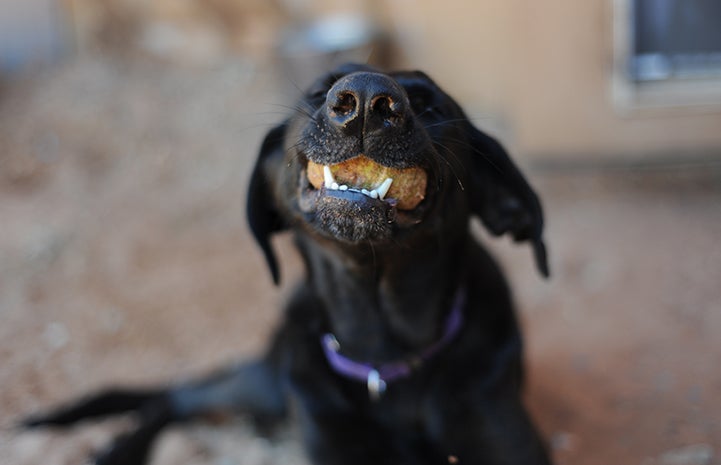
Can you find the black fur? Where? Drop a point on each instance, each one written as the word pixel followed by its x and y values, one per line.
pixel 382 280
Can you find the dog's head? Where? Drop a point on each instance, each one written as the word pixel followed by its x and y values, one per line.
pixel 386 159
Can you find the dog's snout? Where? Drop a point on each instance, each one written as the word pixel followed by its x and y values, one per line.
pixel 362 103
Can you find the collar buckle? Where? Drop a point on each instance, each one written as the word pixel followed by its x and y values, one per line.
pixel 376 385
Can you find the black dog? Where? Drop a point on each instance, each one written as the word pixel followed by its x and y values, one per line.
pixel 401 346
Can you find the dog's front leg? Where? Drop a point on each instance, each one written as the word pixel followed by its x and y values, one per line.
pixel 152 406
pixel 250 388
pixel 485 425
pixel 338 439
pixel 500 434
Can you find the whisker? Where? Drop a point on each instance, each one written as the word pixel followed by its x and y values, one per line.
pixel 486 156
pixel 445 122
pixel 447 152
pixel 297 109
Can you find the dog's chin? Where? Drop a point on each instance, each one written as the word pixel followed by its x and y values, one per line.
pixel 353 217
pixel 357 207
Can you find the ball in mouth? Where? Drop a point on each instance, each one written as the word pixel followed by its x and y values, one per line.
pixel 405 186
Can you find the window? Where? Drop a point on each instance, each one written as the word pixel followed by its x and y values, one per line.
pixel 667 52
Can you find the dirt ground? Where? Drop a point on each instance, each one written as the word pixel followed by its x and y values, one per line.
pixel 125 259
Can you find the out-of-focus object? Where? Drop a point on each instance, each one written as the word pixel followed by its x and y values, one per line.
pixel 189 32
pixel 31 33
pixel 309 48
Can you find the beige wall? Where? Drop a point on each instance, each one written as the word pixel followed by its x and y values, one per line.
pixel 543 70
pixel 537 73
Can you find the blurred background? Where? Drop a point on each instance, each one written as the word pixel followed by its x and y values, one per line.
pixel 128 129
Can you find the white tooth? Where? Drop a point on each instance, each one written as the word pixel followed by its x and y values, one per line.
pixel 334 186
pixel 365 192
pixel 343 187
pixel 383 188
pixel 327 177
pixel 374 194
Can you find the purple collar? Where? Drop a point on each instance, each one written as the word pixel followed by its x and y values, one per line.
pixel 377 377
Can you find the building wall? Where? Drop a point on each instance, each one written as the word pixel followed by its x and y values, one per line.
pixel 537 73
pixel 543 71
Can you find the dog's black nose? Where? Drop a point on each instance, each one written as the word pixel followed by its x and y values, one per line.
pixel 365 102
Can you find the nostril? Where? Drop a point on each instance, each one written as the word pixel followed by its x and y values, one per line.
pixel 381 105
pixel 385 107
pixel 345 104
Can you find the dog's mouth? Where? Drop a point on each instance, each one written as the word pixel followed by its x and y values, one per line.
pixel 404 188
pixel 360 199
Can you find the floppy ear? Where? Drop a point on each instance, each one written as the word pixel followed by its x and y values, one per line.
pixel 263 216
pixel 502 198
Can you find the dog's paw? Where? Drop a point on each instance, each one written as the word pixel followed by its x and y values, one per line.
pixel 128 449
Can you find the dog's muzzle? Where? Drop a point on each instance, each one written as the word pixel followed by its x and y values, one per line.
pixel 361 155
